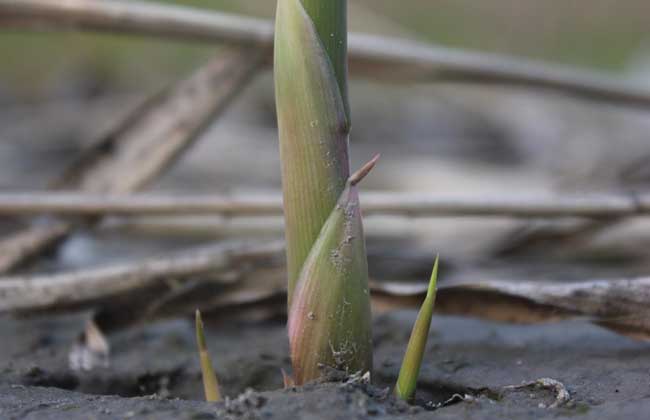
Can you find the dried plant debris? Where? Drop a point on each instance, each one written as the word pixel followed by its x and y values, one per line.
pixel 86 288
pixel 91 351
pixel 145 144
pixel 372 56
pixel 562 396
pixel 618 304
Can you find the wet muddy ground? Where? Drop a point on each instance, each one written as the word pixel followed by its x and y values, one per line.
pixel 472 368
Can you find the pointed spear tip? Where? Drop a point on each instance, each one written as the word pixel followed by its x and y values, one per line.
pixel 364 170
pixel 412 362
pixel 433 282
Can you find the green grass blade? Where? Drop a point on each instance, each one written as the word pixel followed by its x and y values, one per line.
pixel 410 370
pixel 313 130
pixel 210 383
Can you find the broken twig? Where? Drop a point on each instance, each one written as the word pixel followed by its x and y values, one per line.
pixel 84 287
pixel 617 304
pixel 384 203
pixel 146 143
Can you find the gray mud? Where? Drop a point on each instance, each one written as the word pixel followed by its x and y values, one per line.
pixel 469 370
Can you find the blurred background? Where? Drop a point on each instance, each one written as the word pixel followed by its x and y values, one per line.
pixel 604 34
pixel 60 91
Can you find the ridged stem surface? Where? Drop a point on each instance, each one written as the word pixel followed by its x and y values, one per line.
pixel 311 97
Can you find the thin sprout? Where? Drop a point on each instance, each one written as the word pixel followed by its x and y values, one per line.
pixel 210 383
pixel 410 370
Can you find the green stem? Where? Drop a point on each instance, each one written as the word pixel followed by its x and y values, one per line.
pixel 330 19
pixel 329 305
pixel 311 95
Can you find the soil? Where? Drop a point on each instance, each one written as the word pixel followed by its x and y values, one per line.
pixel 469 371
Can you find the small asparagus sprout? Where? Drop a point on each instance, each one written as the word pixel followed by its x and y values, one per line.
pixel 210 384
pixel 408 374
pixel 328 299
